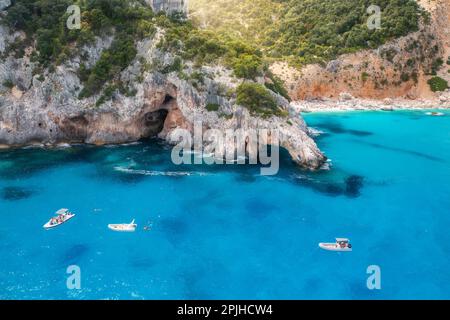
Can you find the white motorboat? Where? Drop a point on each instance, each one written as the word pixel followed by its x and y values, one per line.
pixel 435 114
pixel 341 244
pixel 62 216
pixel 123 227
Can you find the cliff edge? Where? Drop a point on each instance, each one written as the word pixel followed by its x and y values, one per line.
pixel 399 69
pixel 48 107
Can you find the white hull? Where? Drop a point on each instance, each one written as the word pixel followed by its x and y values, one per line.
pixel 334 247
pixel 124 227
pixel 49 224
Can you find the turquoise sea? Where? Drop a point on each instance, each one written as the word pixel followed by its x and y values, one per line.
pixel 225 232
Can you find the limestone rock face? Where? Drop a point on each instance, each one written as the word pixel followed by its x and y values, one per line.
pixel 3 39
pixel 45 108
pixel 169 6
pixel 373 74
pixel 4 4
pixel 345 96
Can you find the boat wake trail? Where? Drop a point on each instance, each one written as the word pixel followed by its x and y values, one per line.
pixel 161 173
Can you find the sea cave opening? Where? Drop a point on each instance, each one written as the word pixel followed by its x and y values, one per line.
pixel 153 122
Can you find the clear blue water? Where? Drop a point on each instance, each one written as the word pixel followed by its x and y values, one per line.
pixel 225 232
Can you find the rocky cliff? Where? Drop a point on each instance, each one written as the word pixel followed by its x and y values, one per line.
pixel 398 69
pixel 46 108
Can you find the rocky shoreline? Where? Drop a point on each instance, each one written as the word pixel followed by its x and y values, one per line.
pixel 349 103
pixel 44 107
pixel 46 111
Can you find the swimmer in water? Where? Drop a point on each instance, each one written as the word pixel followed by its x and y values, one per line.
pixel 148 227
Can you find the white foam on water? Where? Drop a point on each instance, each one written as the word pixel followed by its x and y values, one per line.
pixel 161 173
pixel 315 132
pixel 327 165
pixel 302 177
pixel 34 146
pixel 110 146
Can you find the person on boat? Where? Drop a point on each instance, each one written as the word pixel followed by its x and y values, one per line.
pixel 343 244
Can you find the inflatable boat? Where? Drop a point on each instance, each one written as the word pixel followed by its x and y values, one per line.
pixel 124 227
pixel 62 216
pixel 341 244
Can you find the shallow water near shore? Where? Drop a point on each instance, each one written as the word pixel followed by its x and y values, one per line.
pixel 225 232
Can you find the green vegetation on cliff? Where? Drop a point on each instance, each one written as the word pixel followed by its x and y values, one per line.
pixel 243 31
pixel 306 31
pixel 243 35
pixel 44 21
pixel 438 84
pixel 257 99
pixel 184 39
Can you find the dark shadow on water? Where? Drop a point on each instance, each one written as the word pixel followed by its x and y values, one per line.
pixel 353 186
pixel 337 128
pixel 135 163
pixel 16 193
pixel 332 183
pixel 246 178
pixel 312 286
pixel 174 229
pixel 405 151
pixel 203 200
pixel 74 254
pixel 358 290
pixel 350 186
pixel 326 188
pixel 28 162
pixel 259 209
pixel 142 263
pixel 191 279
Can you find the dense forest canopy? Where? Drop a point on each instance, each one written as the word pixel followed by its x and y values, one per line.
pixel 303 31
pixel 243 35
pixel 44 21
pixel 307 30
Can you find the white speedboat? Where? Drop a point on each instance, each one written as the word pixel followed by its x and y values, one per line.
pixel 435 114
pixel 62 216
pixel 123 227
pixel 341 244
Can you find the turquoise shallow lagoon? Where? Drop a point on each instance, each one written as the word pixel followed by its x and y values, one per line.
pixel 228 233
